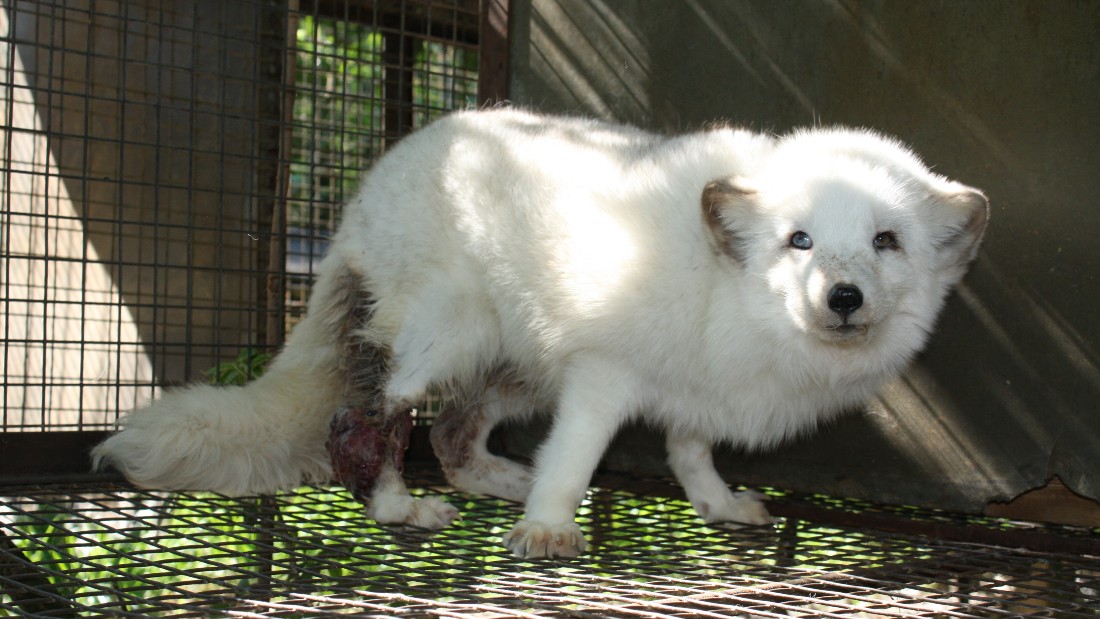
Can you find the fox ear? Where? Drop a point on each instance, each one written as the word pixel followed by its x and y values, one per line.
pixel 964 215
pixel 727 204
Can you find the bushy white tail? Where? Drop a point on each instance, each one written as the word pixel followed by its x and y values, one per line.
pixel 266 436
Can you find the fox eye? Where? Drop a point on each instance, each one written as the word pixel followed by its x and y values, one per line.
pixel 885 240
pixel 801 240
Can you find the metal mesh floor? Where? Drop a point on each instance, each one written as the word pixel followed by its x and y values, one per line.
pixel 108 550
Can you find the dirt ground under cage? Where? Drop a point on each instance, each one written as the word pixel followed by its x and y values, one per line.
pixel 110 550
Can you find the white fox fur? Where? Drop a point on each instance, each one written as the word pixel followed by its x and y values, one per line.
pixel 601 273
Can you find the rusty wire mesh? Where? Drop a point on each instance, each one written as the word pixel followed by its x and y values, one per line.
pixel 109 550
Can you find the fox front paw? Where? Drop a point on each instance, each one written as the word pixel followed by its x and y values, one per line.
pixel 736 510
pixel 531 539
pixel 427 513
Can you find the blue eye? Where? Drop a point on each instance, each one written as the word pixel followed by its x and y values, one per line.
pixel 885 240
pixel 801 240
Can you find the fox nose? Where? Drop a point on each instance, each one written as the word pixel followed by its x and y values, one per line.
pixel 845 299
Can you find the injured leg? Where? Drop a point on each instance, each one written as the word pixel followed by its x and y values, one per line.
pixel 460 435
pixel 369 435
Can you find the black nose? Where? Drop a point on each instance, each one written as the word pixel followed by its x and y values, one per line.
pixel 845 299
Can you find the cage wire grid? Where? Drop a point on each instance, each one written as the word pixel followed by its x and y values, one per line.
pixel 106 178
pixel 110 550
pixel 170 174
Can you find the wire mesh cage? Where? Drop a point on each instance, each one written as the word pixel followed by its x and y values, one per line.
pixel 170 175
pixel 109 550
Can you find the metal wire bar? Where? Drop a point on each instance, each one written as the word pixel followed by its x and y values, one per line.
pixel 170 175
pixel 90 550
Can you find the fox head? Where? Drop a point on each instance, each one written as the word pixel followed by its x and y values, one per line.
pixel 849 232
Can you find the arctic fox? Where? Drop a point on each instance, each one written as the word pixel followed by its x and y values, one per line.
pixel 725 285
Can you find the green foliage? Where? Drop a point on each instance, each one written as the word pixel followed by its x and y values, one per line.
pixel 338 115
pixel 339 112
pixel 250 363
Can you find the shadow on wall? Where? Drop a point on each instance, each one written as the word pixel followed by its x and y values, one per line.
pixel 61 369
pixel 139 177
pixel 1005 397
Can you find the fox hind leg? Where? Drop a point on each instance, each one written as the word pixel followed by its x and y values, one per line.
pixel 460 435
pixel 391 503
pixel 443 335
pixel 369 434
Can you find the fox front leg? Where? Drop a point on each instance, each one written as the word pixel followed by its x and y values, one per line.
pixel 597 398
